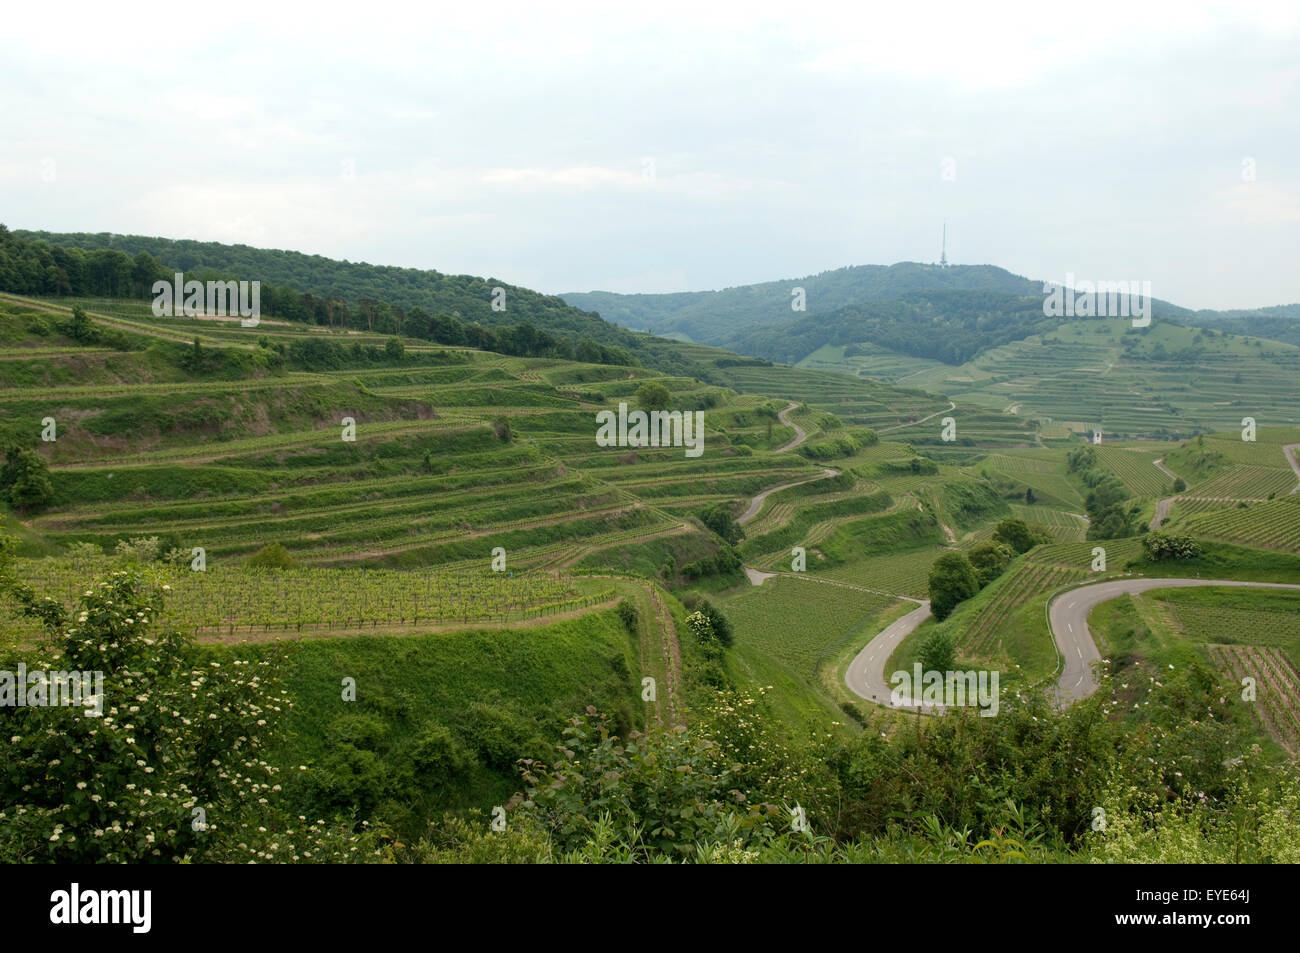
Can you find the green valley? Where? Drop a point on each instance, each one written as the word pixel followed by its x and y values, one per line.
pixel 472 610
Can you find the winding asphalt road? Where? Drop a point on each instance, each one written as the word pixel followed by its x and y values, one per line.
pixel 1067 614
pixel 865 675
pixel 1289 452
pixel 1067 618
pixel 1162 506
pixel 800 435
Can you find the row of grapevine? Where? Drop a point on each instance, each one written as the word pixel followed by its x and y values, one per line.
pixel 1273 524
pixel 1025 582
pixel 230 600
pixel 1249 482
pixel 1277 703
pixel 1136 469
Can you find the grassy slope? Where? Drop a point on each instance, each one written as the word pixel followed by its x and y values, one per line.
pixel 790 633
pixel 1145 644
pixel 503 693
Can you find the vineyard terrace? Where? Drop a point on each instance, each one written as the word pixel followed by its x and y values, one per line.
pixel 658 428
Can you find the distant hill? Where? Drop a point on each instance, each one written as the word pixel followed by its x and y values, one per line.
pixel 714 316
pixel 318 290
pixel 465 297
pixel 947 326
pixel 948 314
pixel 1279 323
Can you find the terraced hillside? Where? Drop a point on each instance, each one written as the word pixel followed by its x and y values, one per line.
pixel 358 497
pixel 241 438
pixel 1161 382
pixel 393 478
pixel 452 454
pixel 1232 484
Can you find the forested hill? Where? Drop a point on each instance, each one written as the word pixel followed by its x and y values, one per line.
pixel 464 297
pixel 948 326
pixel 947 314
pixel 1279 323
pixel 717 316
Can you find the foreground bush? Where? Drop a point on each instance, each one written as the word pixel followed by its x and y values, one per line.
pixel 171 765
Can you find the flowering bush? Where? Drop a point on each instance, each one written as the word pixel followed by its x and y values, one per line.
pixel 171 768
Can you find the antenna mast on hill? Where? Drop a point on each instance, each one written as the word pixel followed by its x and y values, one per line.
pixel 943 255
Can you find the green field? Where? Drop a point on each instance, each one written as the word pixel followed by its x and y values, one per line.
pixel 788 633
pixel 1272 524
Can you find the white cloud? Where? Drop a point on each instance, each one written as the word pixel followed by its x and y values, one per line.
pixel 510 138
pixel 1259 203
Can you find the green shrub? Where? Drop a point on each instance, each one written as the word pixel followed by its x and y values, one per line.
pixel 720 519
pixel 25 480
pixel 1017 535
pixel 1162 546
pixel 990 560
pixel 271 556
pixel 952 580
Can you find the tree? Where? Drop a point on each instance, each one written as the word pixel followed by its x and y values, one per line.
pixel 719 518
pixel 173 768
pixel 1015 534
pixel 1105 495
pixel 1115 522
pixel 145 269
pixel 722 563
pixel 719 624
pixel 1029 496
pixel 653 396
pixel 952 580
pixel 81 329
pixel 1161 546
pixel 192 360
pixel 139 551
pixel 25 480
pixel 1081 458
pixel 1180 485
pixel 990 560
pixel 394 348
pixel 700 626
pixel 938 652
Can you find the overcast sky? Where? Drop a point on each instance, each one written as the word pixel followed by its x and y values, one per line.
pixel 661 147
